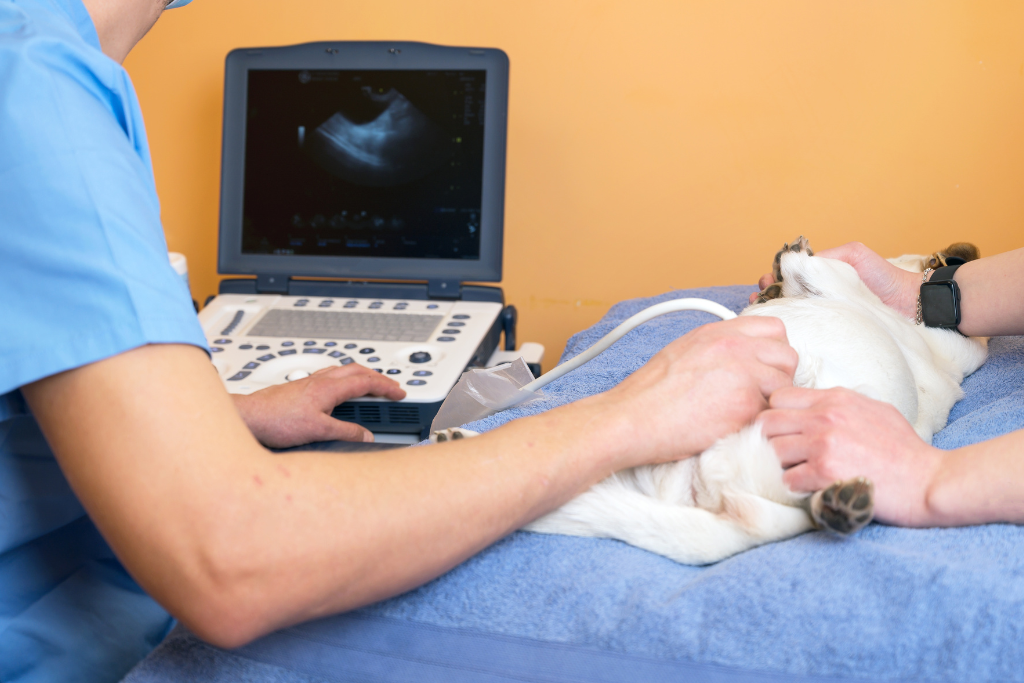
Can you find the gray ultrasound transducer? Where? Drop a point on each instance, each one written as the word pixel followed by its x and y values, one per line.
pixel 362 184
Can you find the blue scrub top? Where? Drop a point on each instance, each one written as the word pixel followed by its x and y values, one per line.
pixel 84 275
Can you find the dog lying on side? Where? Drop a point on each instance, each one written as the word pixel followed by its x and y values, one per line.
pixel 732 497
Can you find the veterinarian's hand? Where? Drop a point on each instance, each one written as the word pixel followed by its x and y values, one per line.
pixel 897 288
pixel 823 436
pixel 704 385
pixel 299 412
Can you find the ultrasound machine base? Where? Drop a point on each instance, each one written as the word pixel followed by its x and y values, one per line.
pixel 261 340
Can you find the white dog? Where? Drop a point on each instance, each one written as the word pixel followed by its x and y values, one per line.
pixel 732 498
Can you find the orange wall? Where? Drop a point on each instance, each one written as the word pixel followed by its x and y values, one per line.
pixel 657 145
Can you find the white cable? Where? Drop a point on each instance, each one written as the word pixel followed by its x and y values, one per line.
pixel 614 336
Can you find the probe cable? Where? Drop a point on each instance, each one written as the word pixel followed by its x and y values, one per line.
pixel 638 319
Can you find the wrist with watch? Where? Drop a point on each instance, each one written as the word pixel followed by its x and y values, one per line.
pixel 938 304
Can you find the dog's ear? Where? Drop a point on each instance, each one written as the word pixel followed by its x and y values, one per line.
pixel 954 254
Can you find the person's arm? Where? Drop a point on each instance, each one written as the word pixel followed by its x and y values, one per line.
pixel 823 436
pixel 991 301
pixel 236 541
pixel 992 295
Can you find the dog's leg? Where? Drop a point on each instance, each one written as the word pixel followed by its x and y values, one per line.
pixel 688 535
pixel 453 434
pixel 845 507
pixel 774 290
pixel 961 250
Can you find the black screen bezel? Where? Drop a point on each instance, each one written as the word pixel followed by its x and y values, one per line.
pixel 364 56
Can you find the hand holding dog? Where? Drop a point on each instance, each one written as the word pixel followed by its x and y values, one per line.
pixel 706 384
pixel 824 436
pixel 897 288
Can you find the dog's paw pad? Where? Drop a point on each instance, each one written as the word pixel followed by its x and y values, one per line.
pixel 770 292
pixel 800 244
pixel 845 507
pixel 453 434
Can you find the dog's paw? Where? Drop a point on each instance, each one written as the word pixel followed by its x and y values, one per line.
pixel 452 434
pixel 959 252
pixel 845 507
pixel 774 291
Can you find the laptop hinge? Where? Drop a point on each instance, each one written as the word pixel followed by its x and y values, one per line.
pixel 443 289
pixel 272 284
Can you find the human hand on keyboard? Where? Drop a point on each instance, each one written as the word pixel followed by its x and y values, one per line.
pixel 299 412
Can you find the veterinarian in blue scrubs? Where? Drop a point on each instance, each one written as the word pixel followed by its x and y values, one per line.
pixel 84 276
pixel 109 405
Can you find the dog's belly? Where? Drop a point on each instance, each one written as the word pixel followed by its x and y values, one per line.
pixel 842 345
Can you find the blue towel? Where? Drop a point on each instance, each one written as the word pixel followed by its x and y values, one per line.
pixel 888 604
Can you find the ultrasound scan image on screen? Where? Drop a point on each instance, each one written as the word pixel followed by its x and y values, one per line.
pixel 364 163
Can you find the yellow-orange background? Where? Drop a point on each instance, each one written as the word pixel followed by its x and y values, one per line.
pixel 657 145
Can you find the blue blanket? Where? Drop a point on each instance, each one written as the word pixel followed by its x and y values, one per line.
pixel 888 604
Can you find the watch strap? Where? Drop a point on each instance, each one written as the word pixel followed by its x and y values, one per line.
pixel 945 273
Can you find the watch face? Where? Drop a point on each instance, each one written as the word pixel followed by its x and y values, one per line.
pixel 940 304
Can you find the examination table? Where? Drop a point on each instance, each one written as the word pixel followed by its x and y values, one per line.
pixel 887 604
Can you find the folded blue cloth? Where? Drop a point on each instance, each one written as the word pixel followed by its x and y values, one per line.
pixel 888 604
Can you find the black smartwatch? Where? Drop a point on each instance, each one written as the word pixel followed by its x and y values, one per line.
pixel 940 299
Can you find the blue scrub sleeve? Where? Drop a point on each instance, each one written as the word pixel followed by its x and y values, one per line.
pixel 85 270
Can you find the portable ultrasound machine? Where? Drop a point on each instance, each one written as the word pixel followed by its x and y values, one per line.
pixel 358 161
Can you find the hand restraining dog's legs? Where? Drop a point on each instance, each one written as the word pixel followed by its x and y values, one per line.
pixel 845 507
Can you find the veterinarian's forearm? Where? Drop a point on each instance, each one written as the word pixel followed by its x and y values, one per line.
pixel 992 295
pixel 323 534
pixel 236 541
pixel 980 484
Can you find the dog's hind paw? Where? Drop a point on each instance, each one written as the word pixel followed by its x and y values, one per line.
pixel 845 507
pixel 770 292
pixel 774 291
pixel 453 434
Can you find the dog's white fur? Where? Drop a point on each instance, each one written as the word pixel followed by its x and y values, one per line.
pixel 732 497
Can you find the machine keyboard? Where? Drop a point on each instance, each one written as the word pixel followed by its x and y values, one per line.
pixel 401 327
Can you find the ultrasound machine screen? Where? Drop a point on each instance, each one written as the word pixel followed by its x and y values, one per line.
pixel 371 163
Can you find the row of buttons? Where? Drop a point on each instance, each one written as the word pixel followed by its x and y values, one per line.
pixel 420 357
pixel 452 324
pixel 327 303
pixel 415 357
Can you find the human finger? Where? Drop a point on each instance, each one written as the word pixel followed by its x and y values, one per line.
pixel 766 280
pixel 779 355
pixel 798 398
pixel 792 449
pixel 851 252
pixel 777 422
pixel 340 371
pixel 339 430
pixel 769 380
pixel 342 385
pixel 756 326
pixel 804 478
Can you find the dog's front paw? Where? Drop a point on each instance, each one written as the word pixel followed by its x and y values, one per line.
pixel 452 434
pixel 845 507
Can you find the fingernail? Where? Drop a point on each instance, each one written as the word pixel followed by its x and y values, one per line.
pixel 367 436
